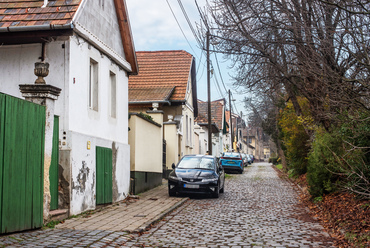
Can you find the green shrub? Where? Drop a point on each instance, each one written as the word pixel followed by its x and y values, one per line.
pixel 273 160
pixel 323 167
pixel 295 140
pixel 340 159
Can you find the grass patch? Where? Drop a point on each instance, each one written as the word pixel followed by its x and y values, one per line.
pixel 51 224
pixel 16 239
pixel 228 175
pixel 279 166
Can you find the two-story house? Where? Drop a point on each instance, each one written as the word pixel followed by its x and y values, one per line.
pixel 88 49
pixel 165 89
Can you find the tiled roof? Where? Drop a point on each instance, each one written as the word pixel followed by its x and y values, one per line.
pixel 163 69
pixel 150 94
pixel 216 112
pixel 29 12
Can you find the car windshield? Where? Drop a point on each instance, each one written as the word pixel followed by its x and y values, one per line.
pixel 196 163
pixel 231 155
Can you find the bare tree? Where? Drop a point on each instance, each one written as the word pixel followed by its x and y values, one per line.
pixel 312 48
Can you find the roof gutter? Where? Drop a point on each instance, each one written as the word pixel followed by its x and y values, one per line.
pixel 35 28
pixel 146 102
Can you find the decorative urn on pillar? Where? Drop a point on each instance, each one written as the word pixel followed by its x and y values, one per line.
pixel 41 71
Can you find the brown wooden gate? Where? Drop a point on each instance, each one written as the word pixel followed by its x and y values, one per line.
pixel 22 131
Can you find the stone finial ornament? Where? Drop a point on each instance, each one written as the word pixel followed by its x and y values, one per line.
pixel 41 71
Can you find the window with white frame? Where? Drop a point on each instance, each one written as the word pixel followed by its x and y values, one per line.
pixel 94 85
pixel 113 95
pixel 191 133
pixel 187 130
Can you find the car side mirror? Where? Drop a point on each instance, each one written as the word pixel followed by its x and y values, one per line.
pixel 173 165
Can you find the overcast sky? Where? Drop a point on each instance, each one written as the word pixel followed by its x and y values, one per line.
pixel 155 28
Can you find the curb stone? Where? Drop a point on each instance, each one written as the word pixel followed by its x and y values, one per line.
pixel 160 216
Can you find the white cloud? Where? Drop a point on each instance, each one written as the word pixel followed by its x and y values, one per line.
pixel 153 24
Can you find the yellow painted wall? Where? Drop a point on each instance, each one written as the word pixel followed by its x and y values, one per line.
pixel 172 144
pixel 145 140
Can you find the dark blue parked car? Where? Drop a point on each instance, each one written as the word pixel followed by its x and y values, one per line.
pixel 197 174
pixel 232 161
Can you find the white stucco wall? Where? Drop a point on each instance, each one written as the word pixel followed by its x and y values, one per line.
pixel 83 170
pixel 98 127
pixel 90 17
pixel 69 70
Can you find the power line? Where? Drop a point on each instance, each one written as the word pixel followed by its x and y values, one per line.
pixel 219 71
pixel 180 27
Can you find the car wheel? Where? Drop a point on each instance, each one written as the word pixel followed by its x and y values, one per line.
pixel 171 192
pixel 217 193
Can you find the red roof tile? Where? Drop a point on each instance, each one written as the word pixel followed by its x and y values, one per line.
pixel 29 12
pixel 150 94
pixel 163 69
pixel 217 110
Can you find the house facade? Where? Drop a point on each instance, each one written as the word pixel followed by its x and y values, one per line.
pixel 165 89
pixel 89 49
pixel 219 124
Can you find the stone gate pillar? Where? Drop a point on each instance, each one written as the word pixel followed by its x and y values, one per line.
pixel 46 95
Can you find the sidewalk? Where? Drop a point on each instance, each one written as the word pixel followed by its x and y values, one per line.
pixel 132 215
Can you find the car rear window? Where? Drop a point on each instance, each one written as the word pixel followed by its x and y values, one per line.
pixel 231 155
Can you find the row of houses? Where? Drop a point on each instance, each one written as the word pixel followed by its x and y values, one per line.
pixel 85 120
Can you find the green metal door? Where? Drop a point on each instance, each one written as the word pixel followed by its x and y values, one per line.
pixel 22 131
pixel 53 171
pixel 103 175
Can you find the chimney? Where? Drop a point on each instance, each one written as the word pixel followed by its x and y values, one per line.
pixel 45 3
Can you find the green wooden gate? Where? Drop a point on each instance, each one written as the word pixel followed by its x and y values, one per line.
pixel 103 175
pixel 53 171
pixel 22 132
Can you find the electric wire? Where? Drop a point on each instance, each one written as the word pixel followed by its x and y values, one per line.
pixel 180 27
pixel 215 80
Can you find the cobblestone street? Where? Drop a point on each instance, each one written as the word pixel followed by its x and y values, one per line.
pixel 258 209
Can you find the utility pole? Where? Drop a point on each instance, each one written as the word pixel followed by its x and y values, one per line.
pixel 231 122
pixel 209 99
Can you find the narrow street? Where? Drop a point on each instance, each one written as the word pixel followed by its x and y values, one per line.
pixel 258 209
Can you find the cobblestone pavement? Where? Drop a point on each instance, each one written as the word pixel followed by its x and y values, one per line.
pixel 258 209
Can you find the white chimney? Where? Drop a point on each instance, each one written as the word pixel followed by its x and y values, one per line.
pixel 45 3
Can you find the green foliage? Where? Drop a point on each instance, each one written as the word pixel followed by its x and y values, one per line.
pixel 145 116
pixel 323 167
pixel 295 139
pixel 317 199
pixel 279 166
pixel 273 160
pixel 339 159
pixel 52 224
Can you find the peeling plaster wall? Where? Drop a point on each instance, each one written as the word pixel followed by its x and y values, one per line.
pixel 69 70
pixel 97 127
pixel 83 173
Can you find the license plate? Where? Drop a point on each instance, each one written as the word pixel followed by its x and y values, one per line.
pixel 191 186
pixel 231 162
